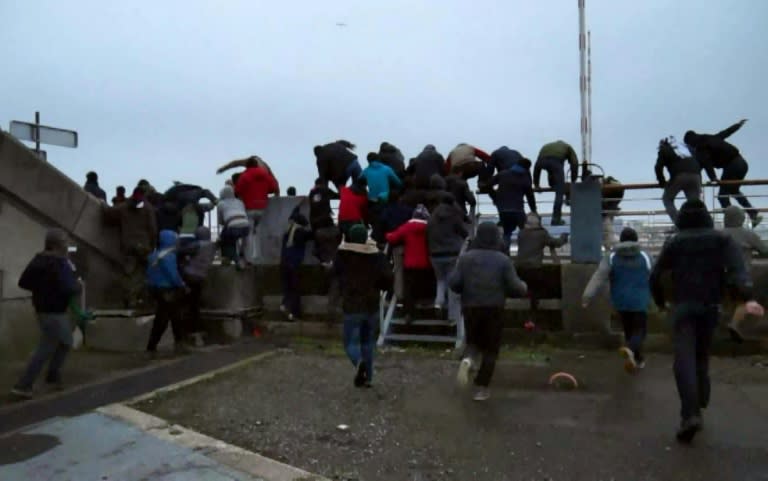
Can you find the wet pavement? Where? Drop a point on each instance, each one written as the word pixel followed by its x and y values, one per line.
pixel 415 424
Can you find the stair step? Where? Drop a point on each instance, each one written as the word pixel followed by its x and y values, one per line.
pixel 420 322
pixel 419 338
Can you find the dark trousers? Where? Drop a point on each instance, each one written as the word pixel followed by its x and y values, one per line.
pixel 686 182
pixel 289 277
pixel 55 342
pixel 484 327
pixel 229 239
pixel 360 338
pixel 635 329
pixel 693 327
pixel 413 280
pixel 511 221
pixel 168 309
pixel 193 307
pixel 556 179
pixel 375 210
pixel 736 170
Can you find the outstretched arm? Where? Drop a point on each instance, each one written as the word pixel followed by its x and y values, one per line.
pixel 659 169
pixel 724 134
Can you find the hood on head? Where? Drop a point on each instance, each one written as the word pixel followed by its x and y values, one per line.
pixel 227 193
pixel 488 236
pixel 421 212
pixel 297 217
pixel 694 215
pixel 203 233
pixel 518 169
pixel 532 221
pixel 733 216
pixel 436 182
pixel 168 238
pixel 430 148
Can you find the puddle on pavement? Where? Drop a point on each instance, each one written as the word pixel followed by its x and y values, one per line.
pixel 20 447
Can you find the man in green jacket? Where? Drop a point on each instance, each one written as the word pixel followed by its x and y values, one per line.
pixel 552 158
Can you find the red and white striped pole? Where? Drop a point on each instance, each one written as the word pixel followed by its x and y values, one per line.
pixel 583 81
pixel 589 95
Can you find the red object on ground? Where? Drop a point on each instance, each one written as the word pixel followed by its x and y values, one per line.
pixel 529 325
pixel 256 332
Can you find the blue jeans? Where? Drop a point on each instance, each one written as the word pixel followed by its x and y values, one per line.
pixel 230 237
pixel 635 329
pixel 55 342
pixel 510 221
pixel 360 338
pixel 354 170
pixel 693 327
pixel 443 267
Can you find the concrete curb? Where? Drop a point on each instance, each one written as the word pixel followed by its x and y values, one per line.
pixel 202 377
pixel 228 455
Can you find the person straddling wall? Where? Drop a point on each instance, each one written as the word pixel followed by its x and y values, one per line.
pixel 514 184
pixel 294 245
pixel 234 227
pixel 381 180
pixel 465 161
pixel 92 186
pixel 700 262
pixel 254 187
pixel 119 197
pixel 684 174
pixel 362 271
pixel 627 269
pixel 713 152
pixel 428 163
pixel 138 236
pixel 51 280
pixel 484 277
pixel 337 163
pixel 552 157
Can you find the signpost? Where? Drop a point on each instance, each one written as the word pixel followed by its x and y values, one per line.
pixel 43 134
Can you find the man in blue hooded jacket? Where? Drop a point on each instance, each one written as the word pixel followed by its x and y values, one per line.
pixel 167 288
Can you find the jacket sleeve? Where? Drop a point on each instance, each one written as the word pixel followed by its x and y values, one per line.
pixel 68 280
pixel 274 186
pixel 169 265
pixel 396 236
pixel 220 216
pixel 757 244
pixel 659 169
pixel 598 280
pixel 573 160
pixel 724 134
pixel 705 161
pixel 663 264
pixel 513 285
pixel 469 196
pixel 531 197
pixel 494 180
pixel 28 279
pixel 393 178
pixel 456 279
pixel 482 155
pixel 536 173
pixel 736 269
pixel 384 282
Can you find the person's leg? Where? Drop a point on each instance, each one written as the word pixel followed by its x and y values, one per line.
pixel 352 323
pixel 556 176
pixel 639 332
pixel 63 331
pixel 179 327
pixel 508 223
pixel 691 186
pixel 47 345
pixel 398 271
pixel 684 339
pixel 671 190
pixel 195 298
pixel 454 299
pixel 160 322
pixel 410 278
pixel 737 170
pixel 490 331
pixel 441 266
pixel 368 330
pixel 704 330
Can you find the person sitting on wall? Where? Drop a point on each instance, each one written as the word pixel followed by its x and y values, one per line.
pixel 684 174
pixel 119 197
pixel 552 158
pixel 92 186
pixel 291 257
pixel 138 236
pixel 465 161
pixel 337 163
pixel 234 227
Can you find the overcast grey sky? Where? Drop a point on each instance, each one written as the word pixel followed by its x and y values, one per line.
pixel 172 89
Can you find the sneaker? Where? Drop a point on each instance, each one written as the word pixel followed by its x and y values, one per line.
pixel 360 377
pixel 482 394
pixel 688 429
pixel 630 364
pixel 462 377
pixel 641 365
pixel 22 393
pixel 756 221
pixel 283 309
pixel 557 222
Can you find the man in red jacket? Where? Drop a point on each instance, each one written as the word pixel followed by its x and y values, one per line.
pixel 253 188
pixel 417 268
pixel 353 206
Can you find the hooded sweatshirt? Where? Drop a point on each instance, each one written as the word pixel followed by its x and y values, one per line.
pixel 353 205
pixel 532 240
pixel 254 186
pixel 628 269
pixel 446 231
pixel 380 178
pixel 391 156
pixel 162 268
pixel 484 276
pixel 561 151
pixel 702 262
pixel 713 150
pixel 333 160
pixel 413 235
pixel 459 189
pixel 428 163
pixel 504 158
pixel 201 260
pixel 674 163
pixel 51 280
pixel 231 210
pixel 514 184
pixel 746 239
pixel 363 271
pixel 92 187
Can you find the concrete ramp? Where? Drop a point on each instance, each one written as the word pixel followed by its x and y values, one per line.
pixel 48 194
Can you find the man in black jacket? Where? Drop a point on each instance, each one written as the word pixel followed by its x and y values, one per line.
pixel 428 163
pixel 713 152
pixel 700 262
pixel 337 163
pixel 684 174
pixel 514 184
pixel 51 280
pixel 92 186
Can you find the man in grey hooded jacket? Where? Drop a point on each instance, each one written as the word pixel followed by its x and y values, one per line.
pixel 484 277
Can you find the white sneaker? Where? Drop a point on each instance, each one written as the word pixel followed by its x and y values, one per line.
pixel 482 394
pixel 630 363
pixel 641 365
pixel 283 309
pixel 462 377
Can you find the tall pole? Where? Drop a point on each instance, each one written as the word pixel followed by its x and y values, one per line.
pixel 583 83
pixel 589 95
pixel 37 133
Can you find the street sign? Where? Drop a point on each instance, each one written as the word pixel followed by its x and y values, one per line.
pixel 43 134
